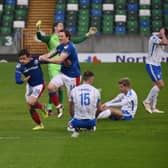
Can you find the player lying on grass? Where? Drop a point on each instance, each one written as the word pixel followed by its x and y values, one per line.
pixel 30 68
pixel 52 42
pixel 84 103
pixel 127 100
pixel 154 70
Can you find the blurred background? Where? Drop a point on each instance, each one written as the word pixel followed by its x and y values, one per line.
pixel 123 25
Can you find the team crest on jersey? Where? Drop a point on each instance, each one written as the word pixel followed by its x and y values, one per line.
pixel 36 62
pixel 18 65
pixel 65 47
pixel 158 75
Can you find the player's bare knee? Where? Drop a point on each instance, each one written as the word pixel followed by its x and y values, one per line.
pixel 31 102
pixel 51 88
pixel 161 85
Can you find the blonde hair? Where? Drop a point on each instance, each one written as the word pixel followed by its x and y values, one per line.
pixel 124 82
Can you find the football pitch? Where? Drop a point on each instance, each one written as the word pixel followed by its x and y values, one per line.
pixel 140 143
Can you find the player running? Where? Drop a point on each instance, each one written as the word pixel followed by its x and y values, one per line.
pixel 69 75
pixel 52 42
pixel 30 68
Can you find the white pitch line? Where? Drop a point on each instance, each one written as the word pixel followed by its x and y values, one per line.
pixel 9 138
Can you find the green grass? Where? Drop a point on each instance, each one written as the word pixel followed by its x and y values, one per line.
pixel 141 143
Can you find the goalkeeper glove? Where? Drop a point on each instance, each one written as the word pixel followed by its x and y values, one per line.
pixel 38 24
pixel 92 31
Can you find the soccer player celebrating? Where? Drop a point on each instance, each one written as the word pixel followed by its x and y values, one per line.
pixel 153 68
pixel 84 104
pixel 52 42
pixel 70 69
pixel 127 100
pixel 30 68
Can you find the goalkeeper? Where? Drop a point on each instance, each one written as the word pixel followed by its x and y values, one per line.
pixel 52 42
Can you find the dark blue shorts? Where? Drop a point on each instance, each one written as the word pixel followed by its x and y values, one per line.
pixel 85 123
pixel 155 72
pixel 126 116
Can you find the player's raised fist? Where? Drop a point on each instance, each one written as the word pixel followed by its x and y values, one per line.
pixel 38 24
pixel 92 31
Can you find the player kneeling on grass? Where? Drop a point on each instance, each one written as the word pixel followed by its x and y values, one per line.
pixel 30 68
pixel 84 103
pixel 127 100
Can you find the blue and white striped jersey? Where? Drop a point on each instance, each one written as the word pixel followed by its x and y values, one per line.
pixel 155 51
pixel 128 102
pixel 31 69
pixel 85 98
pixel 74 69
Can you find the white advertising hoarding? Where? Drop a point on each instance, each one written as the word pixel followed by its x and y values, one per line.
pixel 116 57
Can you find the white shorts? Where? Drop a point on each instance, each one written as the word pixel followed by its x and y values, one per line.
pixel 63 80
pixel 34 91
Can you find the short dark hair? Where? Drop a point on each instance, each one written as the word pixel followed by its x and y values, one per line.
pixel 124 82
pixel 54 25
pixel 67 33
pixel 87 75
pixel 166 31
pixel 24 51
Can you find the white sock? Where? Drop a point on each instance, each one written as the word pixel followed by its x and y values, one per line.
pixel 152 94
pixel 154 100
pixel 104 114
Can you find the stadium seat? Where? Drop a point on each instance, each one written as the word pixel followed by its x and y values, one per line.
pixel 71 21
pixel 156 4
pixel 72 1
pixel 156 14
pixel 144 30
pixel 7 20
pixel 83 21
pixel 97 1
pixel 120 30
pixel 166 20
pixel 133 16
pixel 61 1
pixel 108 1
pixel 156 25
pixel 9 9
pixel 132 26
pixel 82 30
pixel 5 30
pixel 72 29
pixel 107 30
pixel 132 1
pixel 132 6
pixel 20 14
pixel 60 6
pixel 96 6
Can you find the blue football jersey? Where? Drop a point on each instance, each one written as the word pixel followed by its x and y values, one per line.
pixel 31 69
pixel 74 69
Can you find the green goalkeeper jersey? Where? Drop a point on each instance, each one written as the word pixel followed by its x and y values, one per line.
pixel 52 42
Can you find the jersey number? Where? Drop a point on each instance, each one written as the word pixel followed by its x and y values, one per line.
pixel 85 99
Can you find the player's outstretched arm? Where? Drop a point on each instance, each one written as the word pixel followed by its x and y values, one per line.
pixel 48 57
pixel 92 31
pixel 41 37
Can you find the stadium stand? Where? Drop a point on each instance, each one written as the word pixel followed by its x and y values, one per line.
pixel 130 18
pixel 43 11
pixel 13 17
pixel 113 16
